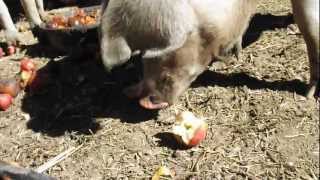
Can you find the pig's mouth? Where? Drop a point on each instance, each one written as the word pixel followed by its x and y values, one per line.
pixel 146 101
pixel 150 102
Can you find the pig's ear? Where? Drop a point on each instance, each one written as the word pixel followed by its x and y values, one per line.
pixel 114 51
pixel 175 44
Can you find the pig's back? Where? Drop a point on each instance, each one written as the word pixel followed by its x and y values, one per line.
pixel 148 24
pixel 224 20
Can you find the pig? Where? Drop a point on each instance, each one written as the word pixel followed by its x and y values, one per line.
pixel 168 75
pixel 306 15
pixel 150 27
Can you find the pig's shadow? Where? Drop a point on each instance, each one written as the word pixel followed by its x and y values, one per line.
pixel 262 22
pixel 258 24
pixel 74 93
pixel 209 78
pixel 78 91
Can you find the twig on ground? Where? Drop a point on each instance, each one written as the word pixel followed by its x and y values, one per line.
pixel 52 162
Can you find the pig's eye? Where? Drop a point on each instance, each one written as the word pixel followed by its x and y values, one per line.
pixel 166 81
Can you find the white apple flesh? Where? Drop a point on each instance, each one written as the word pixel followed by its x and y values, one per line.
pixel 189 130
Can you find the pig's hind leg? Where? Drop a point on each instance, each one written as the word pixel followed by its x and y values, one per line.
pixel 306 14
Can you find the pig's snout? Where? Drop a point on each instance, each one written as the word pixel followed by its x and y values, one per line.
pixel 146 101
pixel 151 102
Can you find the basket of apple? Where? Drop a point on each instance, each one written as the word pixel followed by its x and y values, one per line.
pixel 67 29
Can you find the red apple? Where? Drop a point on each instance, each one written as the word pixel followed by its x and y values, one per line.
pixel 5 101
pixel 189 130
pixel 27 65
pixel 2 53
pixel 10 86
pixel 11 50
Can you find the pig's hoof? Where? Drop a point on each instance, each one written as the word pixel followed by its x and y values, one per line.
pixel 13 37
pixel 147 103
pixel 313 92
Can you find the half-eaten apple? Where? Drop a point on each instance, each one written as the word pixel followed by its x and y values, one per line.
pixel 189 130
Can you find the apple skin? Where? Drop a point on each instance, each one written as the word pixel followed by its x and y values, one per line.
pixel 11 50
pixel 5 101
pixel 189 130
pixel 27 65
pixel 198 136
pixel 2 53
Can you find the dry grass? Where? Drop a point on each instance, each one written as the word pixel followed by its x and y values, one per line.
pixel 260 127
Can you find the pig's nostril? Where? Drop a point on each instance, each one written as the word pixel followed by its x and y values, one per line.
pixel 152 99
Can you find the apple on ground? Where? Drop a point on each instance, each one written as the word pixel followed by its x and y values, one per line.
pixel 27 65
pixel 11 50
pixel 10 86
pixel 2 53
pixel 189 130
pixel 5 101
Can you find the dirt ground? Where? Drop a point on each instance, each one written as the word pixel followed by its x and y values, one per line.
pixel 260 125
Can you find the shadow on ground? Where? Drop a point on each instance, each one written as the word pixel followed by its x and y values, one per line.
pixel 77 91
pixel 210 78
pixel 263 22
pixel 73 93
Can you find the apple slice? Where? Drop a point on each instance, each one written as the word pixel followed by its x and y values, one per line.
pixel 189 130
pixel 25 77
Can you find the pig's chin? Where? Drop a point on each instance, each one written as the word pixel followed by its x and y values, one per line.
pixel 147 103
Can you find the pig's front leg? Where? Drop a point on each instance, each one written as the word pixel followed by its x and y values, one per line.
pixel 233 48
pixel 306 14
pixel 31 11
pixel 11 33
pixel 237 48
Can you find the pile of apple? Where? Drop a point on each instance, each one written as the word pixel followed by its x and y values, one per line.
pixel 10 88
pixel 189 130
pixel 80 17
pixel 10 51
